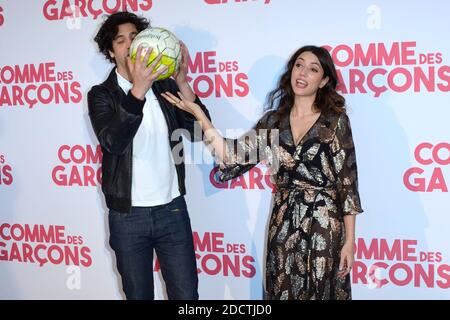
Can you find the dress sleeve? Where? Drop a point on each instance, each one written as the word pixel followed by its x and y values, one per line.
pixel 245 152
pixel 344 162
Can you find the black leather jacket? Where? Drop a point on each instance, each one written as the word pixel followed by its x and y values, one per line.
pixel 115 117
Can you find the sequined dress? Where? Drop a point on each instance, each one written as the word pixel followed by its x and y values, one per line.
pixel 316 185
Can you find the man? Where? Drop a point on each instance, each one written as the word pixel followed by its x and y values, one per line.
pixel 143 186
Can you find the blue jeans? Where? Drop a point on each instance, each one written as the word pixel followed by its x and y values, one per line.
pixel 165 228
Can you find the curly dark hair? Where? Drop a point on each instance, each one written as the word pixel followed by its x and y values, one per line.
pixel 281 99
pixel 110 28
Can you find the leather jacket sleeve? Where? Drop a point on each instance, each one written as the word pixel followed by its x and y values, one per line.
pixel 115 121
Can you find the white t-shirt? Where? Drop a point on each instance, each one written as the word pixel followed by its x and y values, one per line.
pixel 154 177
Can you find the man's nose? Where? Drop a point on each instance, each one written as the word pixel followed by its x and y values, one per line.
pixel 128 43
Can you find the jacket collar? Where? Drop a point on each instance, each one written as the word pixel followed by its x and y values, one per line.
pixel 111 82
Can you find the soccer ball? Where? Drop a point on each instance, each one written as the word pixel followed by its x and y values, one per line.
pixel 161 40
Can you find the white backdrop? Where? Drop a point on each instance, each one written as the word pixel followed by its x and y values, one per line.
pixel 394 62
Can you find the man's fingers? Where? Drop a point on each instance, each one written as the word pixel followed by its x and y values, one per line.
pixel 147 55
pixel 130 64
pixel 155 62
pixel 160 71
pixel 138 54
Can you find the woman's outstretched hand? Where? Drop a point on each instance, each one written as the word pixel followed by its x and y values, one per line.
pixel 211 135
pixel 182 103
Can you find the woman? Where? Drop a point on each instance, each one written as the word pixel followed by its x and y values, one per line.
pixel 312 227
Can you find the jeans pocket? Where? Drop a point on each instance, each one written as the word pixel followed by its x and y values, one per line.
pixel 177 205
pixel 179 228
pixel 115 216
pixel 176 222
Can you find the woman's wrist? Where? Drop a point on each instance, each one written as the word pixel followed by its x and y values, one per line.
pixel 199 114
pixel 350 241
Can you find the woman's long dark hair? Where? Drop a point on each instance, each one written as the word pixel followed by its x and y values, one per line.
pixel 281 99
